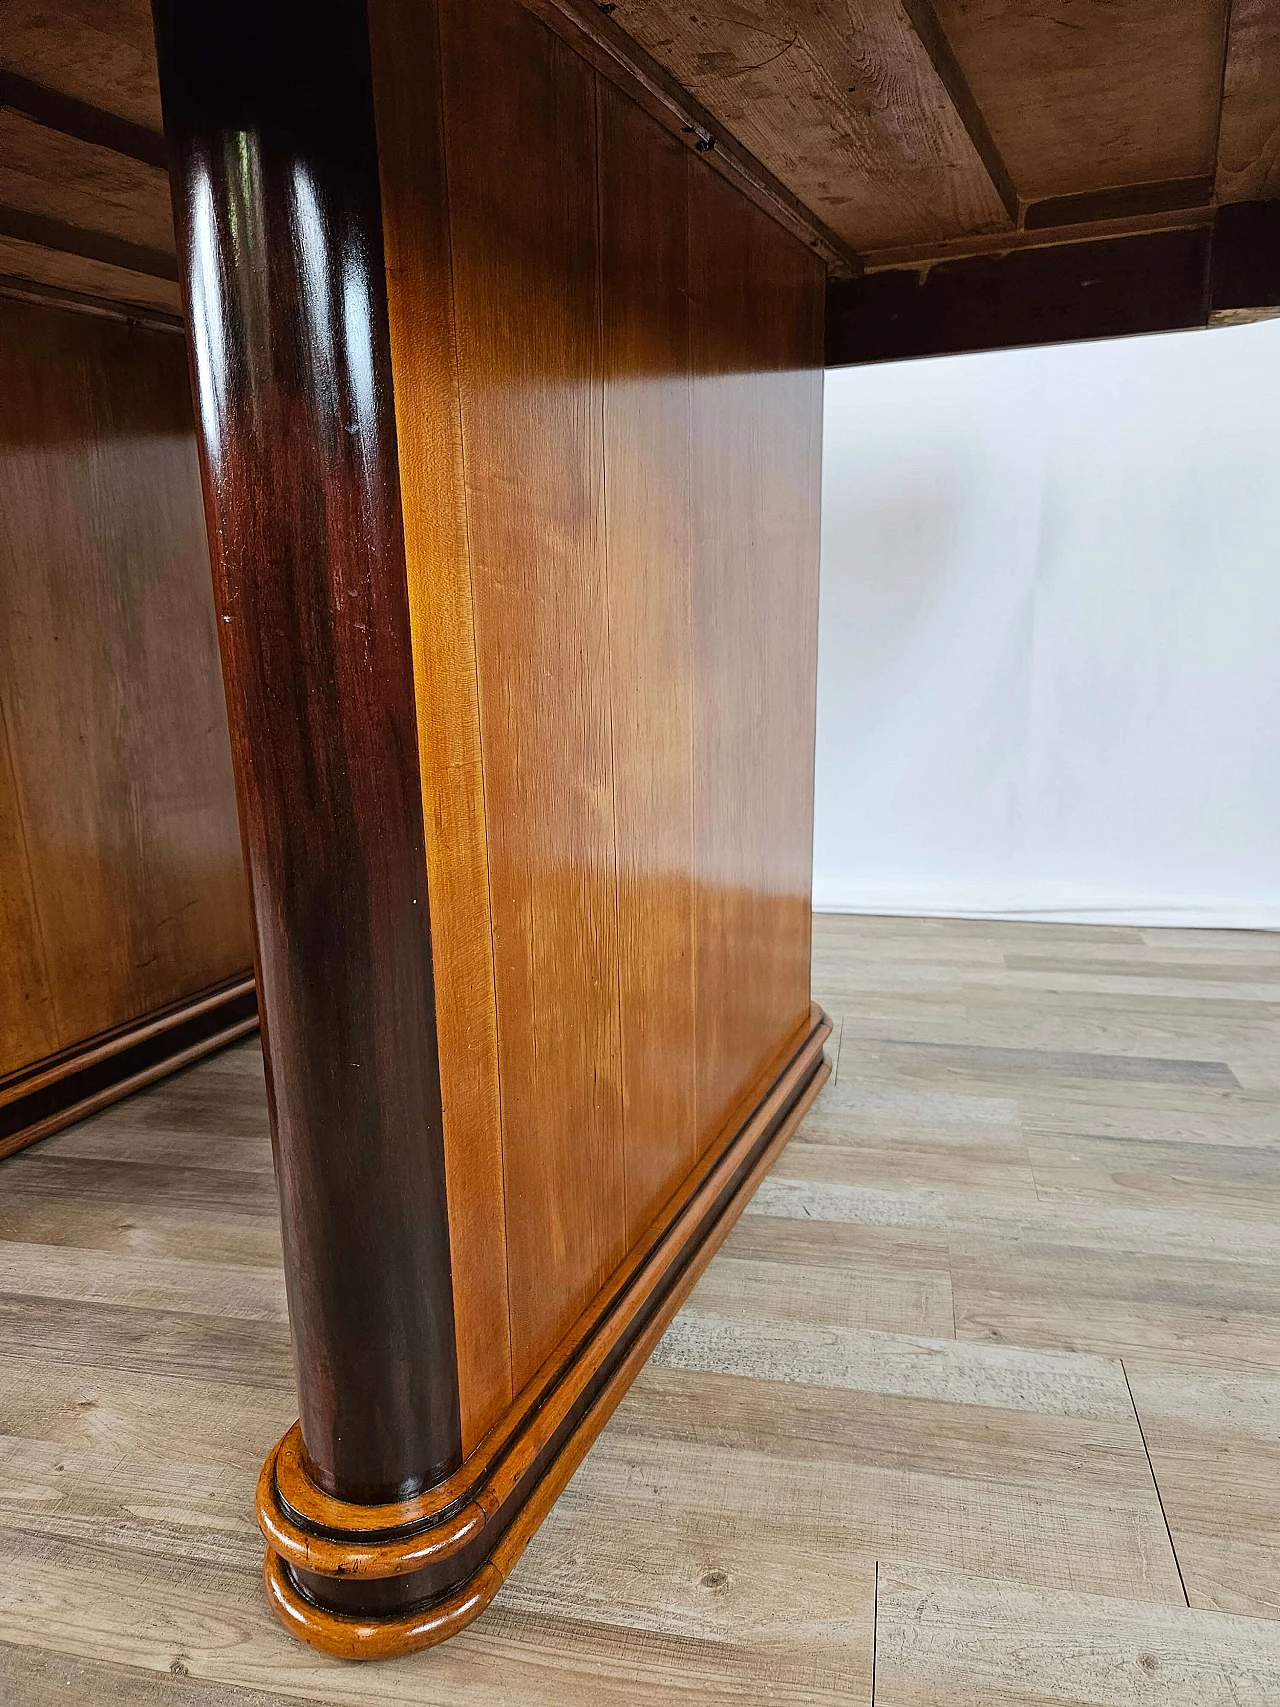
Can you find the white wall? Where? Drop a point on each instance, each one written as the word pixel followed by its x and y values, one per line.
pixel 1049 645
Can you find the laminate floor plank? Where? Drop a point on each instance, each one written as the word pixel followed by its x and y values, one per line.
pixel 1196 1290
pixel 147 1282
pixel 1132 980
pixel 1151 964
pixel 892 1301
pixel 611 1604
pixel 988 1371
pixel 948 1063
pixel 1225 1180
pixel 179 1345
pixel 1166 1114
pixel 934 1450
pixel 110 1223
pixel 35 1677
pixel 833 1049
pixel 950 1642
pixel 826 1153
pixel 1214 1440
pixel 140 1187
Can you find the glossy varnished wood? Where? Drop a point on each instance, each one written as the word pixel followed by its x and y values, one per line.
pixel 445 1555
pixel 650 569
pixel 269 116
pixel 405 39
pixel 756 331
pixel 538 665
pixel 520 117
pixel 561 536
pixel 119 855
pixel 29 1024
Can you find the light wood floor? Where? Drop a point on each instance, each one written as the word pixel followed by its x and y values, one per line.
pixel 979 1405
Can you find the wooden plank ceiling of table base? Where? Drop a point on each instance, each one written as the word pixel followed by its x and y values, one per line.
pixel 509 409
pixel 880 133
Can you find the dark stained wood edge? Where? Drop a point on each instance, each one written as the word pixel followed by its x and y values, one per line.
pixel 80 302
pixel 56 234
pixel 933 38
pixel 1245 279
pixel 69 117
pixel 372 1583
pixel 268 110
pixel 591 32
pixel 1105 288
pixel 51 1093
pixel 1124 201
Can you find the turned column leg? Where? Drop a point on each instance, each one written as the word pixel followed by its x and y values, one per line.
pixel 381 1536
pixel 269 115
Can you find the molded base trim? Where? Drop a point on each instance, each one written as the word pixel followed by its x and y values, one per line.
pixel 367 1582
pixel 51 1093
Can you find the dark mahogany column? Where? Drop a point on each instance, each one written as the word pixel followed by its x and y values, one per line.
pixel 269 115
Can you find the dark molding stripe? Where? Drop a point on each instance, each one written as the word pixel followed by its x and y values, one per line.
pixel 933 38
pixel 1114 287
pixel 67 239
pixel 1124 201
pixel 69 117
pixel 50 1094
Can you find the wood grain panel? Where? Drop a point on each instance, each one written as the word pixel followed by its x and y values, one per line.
pixel 108 670
pixel 644 202
pixel 756 336
pixel 1249 138
pixel 1086 95
pixel 521 140
pixel 841 102
pixel 551 546
pixel 404 37
pixel 27 1026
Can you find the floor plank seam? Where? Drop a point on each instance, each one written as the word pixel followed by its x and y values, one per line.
pixel 875 1632
pixel 1155 1483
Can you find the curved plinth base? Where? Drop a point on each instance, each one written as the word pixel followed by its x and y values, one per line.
pixel 375 1638
pixel 367 1582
